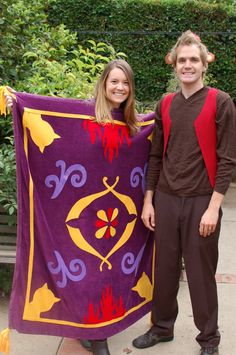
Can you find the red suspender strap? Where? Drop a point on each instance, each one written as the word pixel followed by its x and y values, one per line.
pixel 205 127
pixel 165 115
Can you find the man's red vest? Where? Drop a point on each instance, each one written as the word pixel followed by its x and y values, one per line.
pixel 205 127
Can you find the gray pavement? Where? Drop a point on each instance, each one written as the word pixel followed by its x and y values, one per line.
pixel 185 331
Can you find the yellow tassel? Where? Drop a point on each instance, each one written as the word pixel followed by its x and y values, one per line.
pixel 3 107
pixel 5 341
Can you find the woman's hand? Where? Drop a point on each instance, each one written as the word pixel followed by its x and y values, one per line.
pixel 8 98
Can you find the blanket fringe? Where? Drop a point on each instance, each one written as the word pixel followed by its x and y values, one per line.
pixel 5 341
pixel 4 91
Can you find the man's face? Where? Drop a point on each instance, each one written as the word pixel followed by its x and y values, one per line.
pixel 189 67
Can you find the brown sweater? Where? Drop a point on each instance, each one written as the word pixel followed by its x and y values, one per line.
pixel 182 172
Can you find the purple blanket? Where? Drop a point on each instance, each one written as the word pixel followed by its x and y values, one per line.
pixel 84 265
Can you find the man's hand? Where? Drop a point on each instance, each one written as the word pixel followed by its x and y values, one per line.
pixel 208 222
pixel 148 213
pixel 211 215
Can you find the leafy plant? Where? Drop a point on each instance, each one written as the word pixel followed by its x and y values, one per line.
pixel 59 70
pixel 6 128
pixel 6 275
pixel 8 178
pixel 20 21
pixel 41 59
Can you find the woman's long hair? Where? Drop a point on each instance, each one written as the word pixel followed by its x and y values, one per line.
pixel 103 107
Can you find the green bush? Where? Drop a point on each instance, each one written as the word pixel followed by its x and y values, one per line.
pixel 20 21
pixel 57 70
pixel 146 29
pixel 6 276
pixel 8 178
pixel 39 59
pixel 31 48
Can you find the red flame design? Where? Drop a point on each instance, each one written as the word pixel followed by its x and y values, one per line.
pixel 112 136
pixel 108 309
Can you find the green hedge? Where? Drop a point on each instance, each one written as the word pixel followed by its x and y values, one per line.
pixel 146 29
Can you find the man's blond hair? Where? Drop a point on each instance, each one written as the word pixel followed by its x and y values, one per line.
pixel 189 38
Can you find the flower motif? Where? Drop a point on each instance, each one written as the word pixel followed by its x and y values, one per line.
pixel 106 223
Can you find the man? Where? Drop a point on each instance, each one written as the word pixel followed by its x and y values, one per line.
pixel 190 168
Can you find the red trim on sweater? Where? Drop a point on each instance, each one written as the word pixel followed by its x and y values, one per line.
pixel 165 114
pixel 205 127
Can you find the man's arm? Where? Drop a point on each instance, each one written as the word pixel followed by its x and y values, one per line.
pixel 153 171
pixel 226 142
pixel 226 156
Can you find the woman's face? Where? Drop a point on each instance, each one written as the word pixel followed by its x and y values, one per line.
pixel 117 87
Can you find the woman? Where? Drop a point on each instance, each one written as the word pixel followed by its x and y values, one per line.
pixel 114 90
pixel 114 93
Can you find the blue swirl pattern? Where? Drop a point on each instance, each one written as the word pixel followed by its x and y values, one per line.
pixel 129 258
pixel 76 179
pixel 76 265
pixel 137 175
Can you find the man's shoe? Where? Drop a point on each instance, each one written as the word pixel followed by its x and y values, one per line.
pixel 100 347
pixel 87 344
pixel 209 351
pixel 150 339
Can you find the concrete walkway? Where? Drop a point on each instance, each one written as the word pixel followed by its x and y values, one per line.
pixel 185 331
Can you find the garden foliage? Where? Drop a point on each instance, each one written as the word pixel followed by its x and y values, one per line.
pixel 146 29
pixel 38 58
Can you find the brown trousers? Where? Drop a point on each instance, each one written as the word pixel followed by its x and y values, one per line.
pixel 177 236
